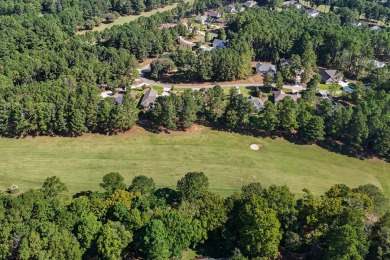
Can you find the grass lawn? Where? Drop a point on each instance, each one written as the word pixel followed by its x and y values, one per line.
pixel 245 91
pixel 159 90
pixel 224 157
pixel 326 87
pixel 320 8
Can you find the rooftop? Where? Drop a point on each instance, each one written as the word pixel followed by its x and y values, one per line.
pixel 149 98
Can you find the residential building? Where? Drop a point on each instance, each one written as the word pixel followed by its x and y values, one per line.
pixel 149 98
pixel 329 76
pixel 265 68
pixel 378 64
pixel 312 13
pixel 202 19
pixel 280 95
pixel 231 9
pixel 249 4
pixel 219 44
pixel 292 3
pixel 283 62
pixel 213 14
pixel 258 103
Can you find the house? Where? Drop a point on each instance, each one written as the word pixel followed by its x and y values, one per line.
pixel 329 76
pixel 231 9
pixel 280 95
pixel 357 23
pixel 202 19
pixel 292 3
pixel 118 98
pixel 283 62
pixel 265 68
pixel 219 44
pixel 149 98
pixel 106 94
pixel 249 4
pixel 213 14
pixel 312 13
pixel 258 103
pixel 378 64
pixel 375 28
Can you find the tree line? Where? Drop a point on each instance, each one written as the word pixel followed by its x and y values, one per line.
pixel 84 14
pixel 61 108
pixel 370 9
pixel 362 127
pixel 141 221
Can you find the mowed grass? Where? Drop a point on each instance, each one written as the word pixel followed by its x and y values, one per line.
pixel 129 18
pixel 224 157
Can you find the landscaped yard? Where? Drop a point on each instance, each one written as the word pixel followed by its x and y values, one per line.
pixel 224 157
pixel 159 90
pixel 326 87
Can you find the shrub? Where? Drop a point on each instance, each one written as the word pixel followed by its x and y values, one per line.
pixel 13 189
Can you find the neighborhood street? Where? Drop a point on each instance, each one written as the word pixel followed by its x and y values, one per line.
pixel 146 69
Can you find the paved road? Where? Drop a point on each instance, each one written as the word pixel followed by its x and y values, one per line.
pixel 146 69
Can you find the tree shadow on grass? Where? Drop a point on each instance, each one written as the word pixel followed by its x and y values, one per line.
pixel 295 138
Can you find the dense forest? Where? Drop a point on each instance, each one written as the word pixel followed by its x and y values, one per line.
pixel 138 220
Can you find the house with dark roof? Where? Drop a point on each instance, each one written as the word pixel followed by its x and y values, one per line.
pixel 329 76
pixel 213 14
pixel 312 13
pixel 280 95
pixel 265 68
pixel 219 44
pixel 283 62
pixel 258 103
pixel 149 98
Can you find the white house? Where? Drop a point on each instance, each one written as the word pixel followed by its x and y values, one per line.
pixel 249 4
pixel 312 13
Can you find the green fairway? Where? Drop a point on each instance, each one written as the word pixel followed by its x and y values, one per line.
pixel 128 18
pixel 224 157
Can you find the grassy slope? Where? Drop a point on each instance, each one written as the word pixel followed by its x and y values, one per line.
pixel 224 157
